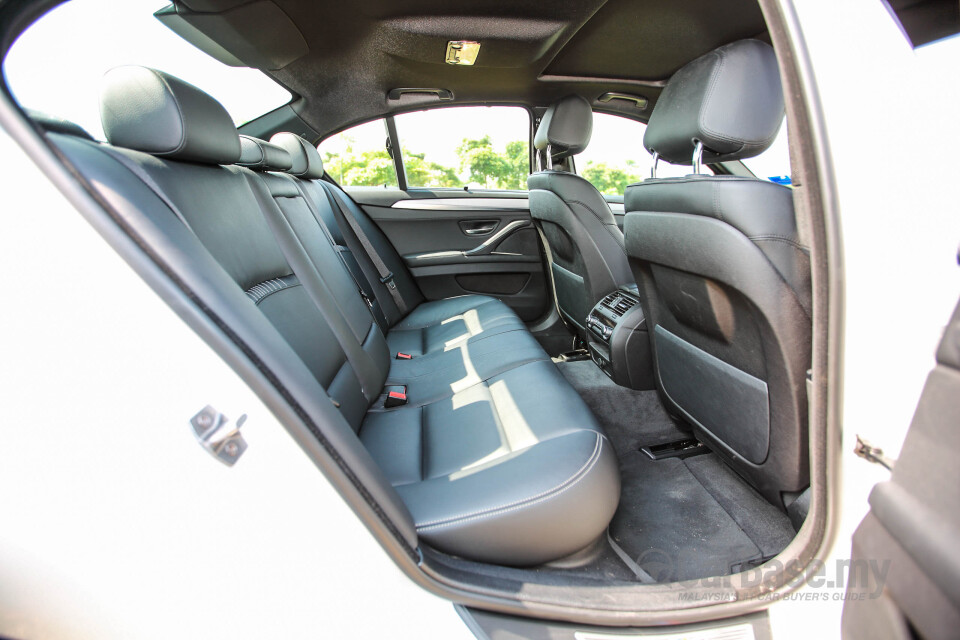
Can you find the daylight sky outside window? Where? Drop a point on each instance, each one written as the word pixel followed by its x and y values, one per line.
pixel 56 66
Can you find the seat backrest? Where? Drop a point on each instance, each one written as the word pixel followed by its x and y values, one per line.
pixel 333 205
pixel 584 245
pixel 724 279
pixel 166 177
pixel 234 212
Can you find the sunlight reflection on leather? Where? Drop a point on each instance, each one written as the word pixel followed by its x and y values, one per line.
pixel 472 327
pixel 515 432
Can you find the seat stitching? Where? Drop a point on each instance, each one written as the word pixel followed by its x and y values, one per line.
pixel 776 238
pixel 276 291
pixel 606 227
pixel 513 506
pixel 423 439
pixel 258 292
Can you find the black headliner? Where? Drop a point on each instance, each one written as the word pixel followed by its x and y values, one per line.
pixel 533 52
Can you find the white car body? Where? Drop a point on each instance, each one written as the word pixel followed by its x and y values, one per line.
pixel 118 524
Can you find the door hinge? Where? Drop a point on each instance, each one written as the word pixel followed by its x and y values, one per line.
pixel 871 453
pixel 214 433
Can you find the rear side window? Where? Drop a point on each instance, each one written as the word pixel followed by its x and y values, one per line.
pixel 615 156
pixel 57 64
pixel 358 157
pixel 774 163
pixel 474 147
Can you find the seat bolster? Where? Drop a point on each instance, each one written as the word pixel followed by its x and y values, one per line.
pixel 395 440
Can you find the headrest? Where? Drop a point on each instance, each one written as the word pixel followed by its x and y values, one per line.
pixel 53 124
pixel 729 99
pixel 261 155
pixel 566 127
pixel 159 114
pixel 305 157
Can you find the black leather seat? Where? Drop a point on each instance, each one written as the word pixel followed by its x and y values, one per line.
pixel 724 277
pixel 584 245
pixel 475 465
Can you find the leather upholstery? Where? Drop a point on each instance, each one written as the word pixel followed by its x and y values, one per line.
pixel 435 326
pixel 724 279
pixel 465 487
pixel 54 124
pixel 759 209
pixel 476 464
pixel 566 127
pixel 261 155
pixel 159 114
pixel 729 99
pixel 585 246
pixel 306 161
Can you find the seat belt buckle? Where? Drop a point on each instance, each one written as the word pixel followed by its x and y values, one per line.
pixel 396 398
pixel 388 280
pixel 403 356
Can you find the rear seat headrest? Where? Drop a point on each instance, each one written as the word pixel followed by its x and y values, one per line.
pixel 566 126
pixel 262 155
pixel 54 124
pixel 729 99
pixel 306 162
pixel 159 114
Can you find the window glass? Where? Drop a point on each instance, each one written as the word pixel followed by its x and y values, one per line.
pixel 774 163
pixel 476 147
pixel 57 64
pixel 615 156
pixel 358 157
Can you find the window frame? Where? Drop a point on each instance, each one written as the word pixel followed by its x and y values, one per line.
pixel 397 147
pixel 387 137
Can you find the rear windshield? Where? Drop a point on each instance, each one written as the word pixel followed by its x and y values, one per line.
pixel 56 65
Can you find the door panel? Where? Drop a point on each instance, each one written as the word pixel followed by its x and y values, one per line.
pixel 461 242
pixel 908 541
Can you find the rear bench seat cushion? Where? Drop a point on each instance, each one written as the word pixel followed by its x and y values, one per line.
pixel 439 324
pixel 513 470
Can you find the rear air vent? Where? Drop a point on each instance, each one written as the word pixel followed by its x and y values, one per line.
pixel 618 303
pixel 623 305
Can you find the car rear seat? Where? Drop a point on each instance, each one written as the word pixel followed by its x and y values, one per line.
pixel 496 458
pixel 431 325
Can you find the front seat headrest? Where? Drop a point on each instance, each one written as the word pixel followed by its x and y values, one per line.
pixel 154 112
pixel 566 127
pixel 729 99
pixel 306 162
pixel 263 156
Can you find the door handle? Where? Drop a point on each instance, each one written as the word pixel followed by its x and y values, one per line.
pixel 479 231
pixel 478 227
pixel 493 242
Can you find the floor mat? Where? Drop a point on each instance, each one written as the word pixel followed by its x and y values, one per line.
pixel 672 526
pixel 678 519
pixel 632 419
pixel 693 518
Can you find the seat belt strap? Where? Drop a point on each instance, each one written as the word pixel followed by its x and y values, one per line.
pixel 386 276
